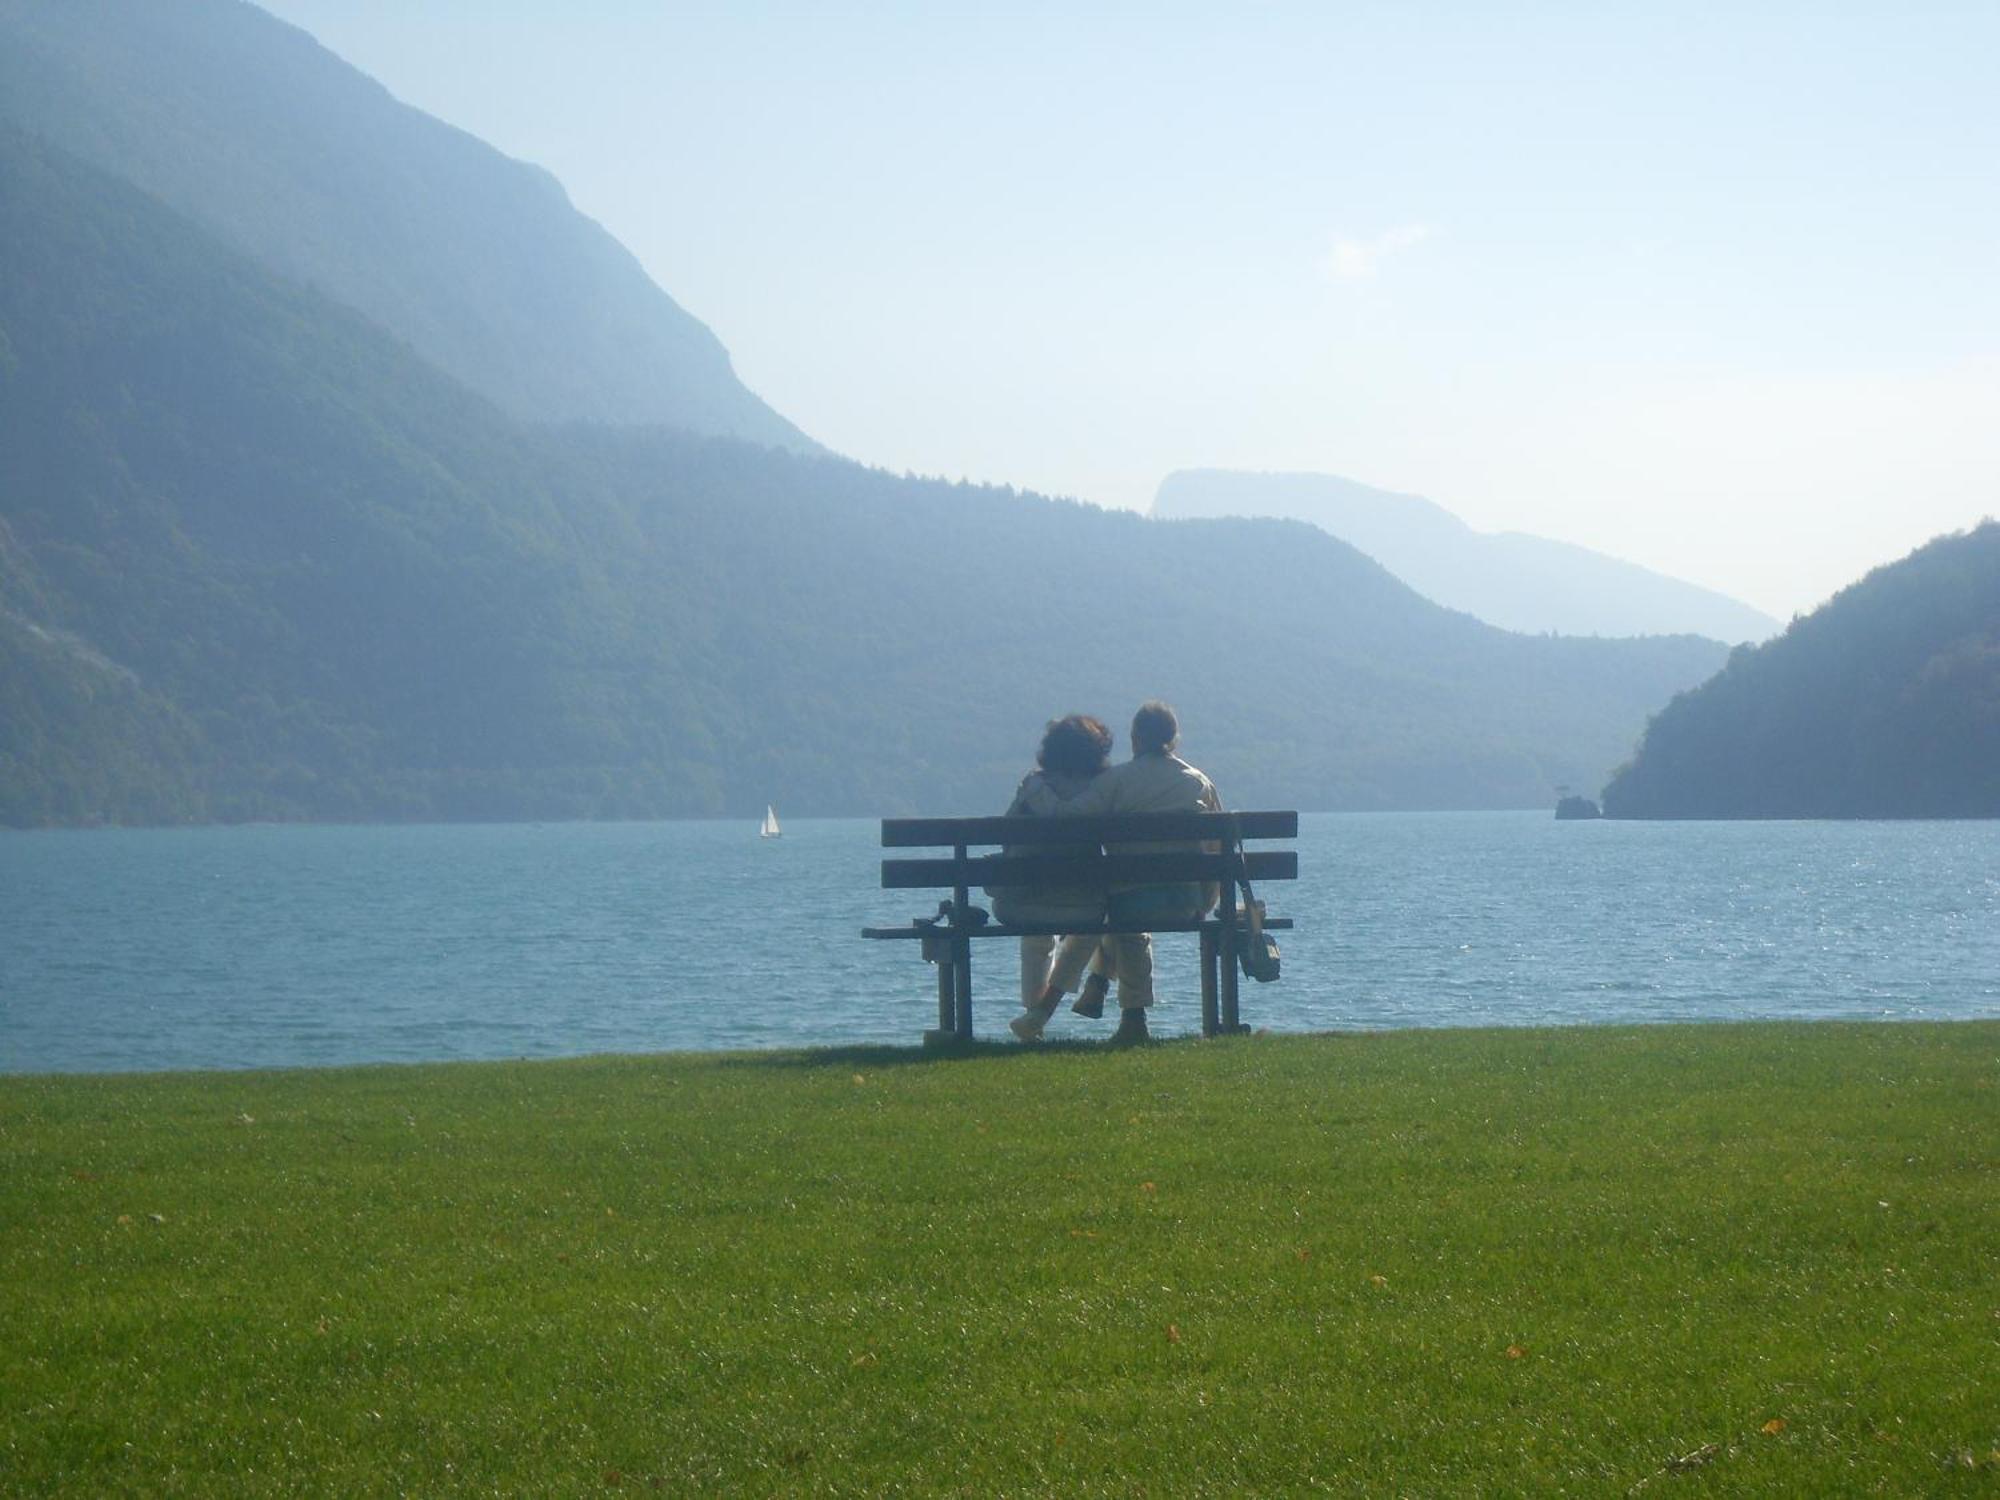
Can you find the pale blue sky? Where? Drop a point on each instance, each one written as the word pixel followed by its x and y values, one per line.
pixel 1715 288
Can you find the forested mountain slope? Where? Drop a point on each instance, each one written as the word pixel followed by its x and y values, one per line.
pixel 258 560
pixel 1508 578
pixel 1883 703
pixel 279 148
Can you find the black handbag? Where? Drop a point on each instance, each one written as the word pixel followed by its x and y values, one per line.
pixel 1256 949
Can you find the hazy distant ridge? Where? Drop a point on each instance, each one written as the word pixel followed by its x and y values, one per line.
pixel 275 145
pixel 1509 579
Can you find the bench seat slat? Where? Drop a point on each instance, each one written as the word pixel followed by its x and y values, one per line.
pixel 1057 929
pixel 1086 870
pixel 1004 870
pixel 932 833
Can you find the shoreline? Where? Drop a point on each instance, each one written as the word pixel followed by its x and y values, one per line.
pixel 996 1044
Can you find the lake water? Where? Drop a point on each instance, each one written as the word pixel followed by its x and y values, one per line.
pixel 280 946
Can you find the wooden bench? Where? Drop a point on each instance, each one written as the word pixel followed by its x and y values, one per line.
pixel 1067 853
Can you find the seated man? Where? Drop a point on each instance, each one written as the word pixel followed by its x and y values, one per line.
pixel 1154 780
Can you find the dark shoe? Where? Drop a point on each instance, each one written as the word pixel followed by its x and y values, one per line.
pixel 1131 1028
pixel 1091 1002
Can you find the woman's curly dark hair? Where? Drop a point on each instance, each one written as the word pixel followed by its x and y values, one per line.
pixel 1076 744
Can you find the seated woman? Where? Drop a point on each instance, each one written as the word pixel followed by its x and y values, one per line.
pixel 1073 753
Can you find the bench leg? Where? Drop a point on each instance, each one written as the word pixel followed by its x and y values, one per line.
pixel 961 967
pixel 1230 975
pixel 954 981
pixel 1208 982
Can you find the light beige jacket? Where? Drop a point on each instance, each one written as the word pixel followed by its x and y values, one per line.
pixel 1044 792
pixel 1041 794
pixel 1155 783
pixel 1159 782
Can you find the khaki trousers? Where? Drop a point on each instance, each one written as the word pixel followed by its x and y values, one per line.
pixel 1132 952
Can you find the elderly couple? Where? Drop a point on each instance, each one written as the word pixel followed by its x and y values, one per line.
pixel 1071 779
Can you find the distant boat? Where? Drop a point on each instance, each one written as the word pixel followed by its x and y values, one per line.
pixel 1577 807
pixel 769 828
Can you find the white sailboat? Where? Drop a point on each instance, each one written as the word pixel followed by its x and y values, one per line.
pixel 769 828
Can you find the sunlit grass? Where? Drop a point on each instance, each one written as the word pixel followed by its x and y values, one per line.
pixel 1722 1259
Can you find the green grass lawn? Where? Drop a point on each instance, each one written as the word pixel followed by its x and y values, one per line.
pixel 1719 1260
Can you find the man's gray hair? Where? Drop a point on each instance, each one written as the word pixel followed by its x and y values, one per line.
pixel 1154 727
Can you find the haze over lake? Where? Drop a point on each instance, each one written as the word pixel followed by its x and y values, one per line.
pixel 278 946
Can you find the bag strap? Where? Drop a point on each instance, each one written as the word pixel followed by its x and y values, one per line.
pixel 1253 909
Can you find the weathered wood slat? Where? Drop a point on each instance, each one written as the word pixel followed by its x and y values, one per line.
pixel 1058 929
pixel 1082 869
pixel 928 833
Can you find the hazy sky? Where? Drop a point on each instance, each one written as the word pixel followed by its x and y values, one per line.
pixel 1715 288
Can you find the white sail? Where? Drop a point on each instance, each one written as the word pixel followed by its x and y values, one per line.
pixel 769 828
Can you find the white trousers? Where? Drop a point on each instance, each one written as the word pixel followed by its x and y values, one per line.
pixel 1126 957
pixel 1047 961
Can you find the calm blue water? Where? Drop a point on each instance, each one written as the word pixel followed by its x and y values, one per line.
pixel 273 946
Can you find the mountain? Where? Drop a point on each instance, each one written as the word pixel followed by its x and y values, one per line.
pixel 1882 703
pixel 278 148
pixel 78 734
pixel 259 560
pixel 1517 582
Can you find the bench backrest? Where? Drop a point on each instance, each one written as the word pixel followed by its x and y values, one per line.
pixel 1070 851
